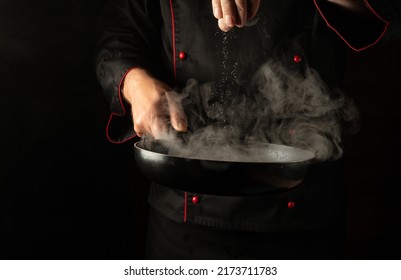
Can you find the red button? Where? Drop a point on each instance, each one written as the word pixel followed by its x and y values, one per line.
pixel 195 199
pixel 182 55
pixel 291 204
pixel 297 58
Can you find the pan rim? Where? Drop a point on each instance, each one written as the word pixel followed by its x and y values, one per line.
pixel 308 155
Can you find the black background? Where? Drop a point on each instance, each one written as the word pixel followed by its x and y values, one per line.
pixel 67 193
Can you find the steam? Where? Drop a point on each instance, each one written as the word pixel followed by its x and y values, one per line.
pixel 300 110
pixel 236 117
pixel 279 106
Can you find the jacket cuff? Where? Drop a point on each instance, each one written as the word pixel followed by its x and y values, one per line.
pixel 358 33
pixel 120 127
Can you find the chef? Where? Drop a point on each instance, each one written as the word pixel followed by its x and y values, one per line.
pixel 151 49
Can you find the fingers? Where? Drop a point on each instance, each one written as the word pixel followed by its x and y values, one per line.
pixel 223 26
pixel 226 13
pixel 231 13
pixel 253 7
pixel 159 128
pixel 176 112
pixel 217 12
pixel 155 121
pixel 150 124
pixel 242 11
pixel 154 106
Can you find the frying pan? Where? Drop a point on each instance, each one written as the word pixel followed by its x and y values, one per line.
pixel 277 168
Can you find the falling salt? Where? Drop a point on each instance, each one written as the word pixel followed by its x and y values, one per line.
pixel 229 74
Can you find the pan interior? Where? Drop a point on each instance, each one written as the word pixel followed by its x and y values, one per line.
pixel 251 152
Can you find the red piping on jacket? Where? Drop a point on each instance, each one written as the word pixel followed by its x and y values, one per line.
pixel 185 206
pixel 338 33
pixel 173 38
pixel 119 115
pixel 175 77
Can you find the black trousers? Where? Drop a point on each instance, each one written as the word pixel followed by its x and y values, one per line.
pixel 167 239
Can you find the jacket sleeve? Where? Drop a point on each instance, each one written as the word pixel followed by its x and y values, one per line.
pixel 130 38
pixel 382 22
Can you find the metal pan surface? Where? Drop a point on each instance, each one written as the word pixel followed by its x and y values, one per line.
pixel 258 168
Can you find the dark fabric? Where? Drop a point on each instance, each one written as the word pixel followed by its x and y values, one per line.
pixel 134 43
pixel 389 10
pixel 167 239
pixel 358 33
pixel 319 202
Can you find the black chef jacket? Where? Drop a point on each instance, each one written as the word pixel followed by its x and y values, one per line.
pixel 177 40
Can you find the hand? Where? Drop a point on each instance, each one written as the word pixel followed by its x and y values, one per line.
pixel 154 105
pixel 356 6
pixel 231 13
